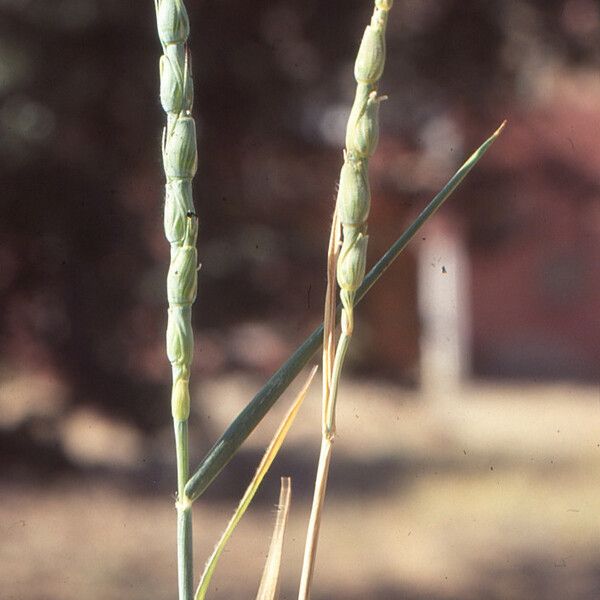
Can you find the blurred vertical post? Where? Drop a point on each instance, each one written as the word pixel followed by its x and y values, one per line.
pixel 444 309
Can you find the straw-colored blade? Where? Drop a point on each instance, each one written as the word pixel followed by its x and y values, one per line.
pixel 330 311
pixel 269 582
pixel 261 471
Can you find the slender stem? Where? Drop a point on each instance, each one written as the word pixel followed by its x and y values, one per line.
pixel 181 449
pixel 312 534
pixel 327 429
pixel 185 574
pixel 244 424
pixel 314 524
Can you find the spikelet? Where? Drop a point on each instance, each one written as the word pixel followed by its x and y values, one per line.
pixel 172 22
pixel 362 132
pixel 354 194
pixel 353 261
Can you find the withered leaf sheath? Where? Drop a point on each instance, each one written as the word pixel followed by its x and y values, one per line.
pixel 362 135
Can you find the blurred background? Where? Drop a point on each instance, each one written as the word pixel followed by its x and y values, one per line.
pixel 468 459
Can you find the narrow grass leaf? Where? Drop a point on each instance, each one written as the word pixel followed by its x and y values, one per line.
pixel 243 425
pixel 261 471
pixel 269 582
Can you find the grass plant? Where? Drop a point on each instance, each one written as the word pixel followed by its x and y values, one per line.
pixel 181 230
pixel 346 265
pixel 347 253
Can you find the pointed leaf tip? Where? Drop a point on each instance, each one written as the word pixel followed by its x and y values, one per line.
pixel 500 129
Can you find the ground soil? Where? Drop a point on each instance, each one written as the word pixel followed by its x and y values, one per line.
pixel 488 492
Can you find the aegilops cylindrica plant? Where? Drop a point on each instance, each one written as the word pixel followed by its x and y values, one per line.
pixel 181 230
pixel 352 211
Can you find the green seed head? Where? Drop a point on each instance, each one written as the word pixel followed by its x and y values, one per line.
pixel 179 154
pixel 371 56
pixel 172 21
pixel 171 92
pixel 180 337
pixel 352 261
pixel 362 133
pixel 354 194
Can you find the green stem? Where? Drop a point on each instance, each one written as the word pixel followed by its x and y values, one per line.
pixel 243 425
pixel 185 575
pixel 181 449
